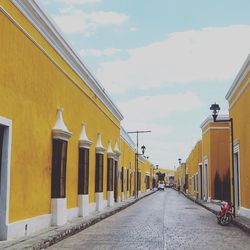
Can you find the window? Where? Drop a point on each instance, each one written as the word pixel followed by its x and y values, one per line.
pixel 99 173
pixel 1 147
pixel 110 179
pixel 59 159
pixel 83 171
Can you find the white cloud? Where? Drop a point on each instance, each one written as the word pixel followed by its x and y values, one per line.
pixel 77 21
pixel 99 53
pixel 148 108
pixel 209 54
pixel 132 29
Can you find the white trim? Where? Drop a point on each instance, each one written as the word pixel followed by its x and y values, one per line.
pixel 60 131
pixel 50 31
pixel 83 205
pixel 34 224
pixel 205 172
pixel 239 78
pixel 125 136
pixel 99 147
pixel 236 150
pixel 100 202
pixel 92 208
pixel 110 197
pixel 59 211
pixel 79 86
pixel 214 128
pixel 84 141
pixel 244 212
pixel 72 213
pixel 239 94
pixel 110 153
pixel 142 159
pixel 5 177
pixel 210 119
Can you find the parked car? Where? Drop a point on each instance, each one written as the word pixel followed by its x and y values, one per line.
pixel 161 186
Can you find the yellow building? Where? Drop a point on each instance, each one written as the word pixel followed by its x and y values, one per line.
pixel 192 165
pixel 213 173
pixel 63 153
pixel 180 177
pixel 238 98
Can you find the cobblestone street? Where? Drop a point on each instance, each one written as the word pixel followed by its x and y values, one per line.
pixel 164 220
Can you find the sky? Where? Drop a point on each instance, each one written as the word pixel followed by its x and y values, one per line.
pixel 164 62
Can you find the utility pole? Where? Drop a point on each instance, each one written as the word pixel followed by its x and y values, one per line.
pixel 136 157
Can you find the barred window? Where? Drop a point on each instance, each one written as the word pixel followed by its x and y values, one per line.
pixel 99 173
pixel 110 175
pixel 83 171
pixel 59 160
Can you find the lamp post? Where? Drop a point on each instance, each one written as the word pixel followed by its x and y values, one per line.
pixel 155 168
pixel 215 111
pixel 143 148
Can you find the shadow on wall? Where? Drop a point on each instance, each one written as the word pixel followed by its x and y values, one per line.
pixel 222 187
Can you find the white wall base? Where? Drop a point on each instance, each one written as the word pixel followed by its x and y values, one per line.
pixel 244 212
pixel 147 190
pixel 123 196
pixel 72 213
pixel 17 229
pixel 92 208
pixel 99 201
pixel 111 201
pixel 139 193
pixel 83 205
pixel 59 211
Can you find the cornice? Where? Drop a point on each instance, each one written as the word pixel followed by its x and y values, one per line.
pixel 239 78
pixel 125 136
pixel 51 32
pixel 209 119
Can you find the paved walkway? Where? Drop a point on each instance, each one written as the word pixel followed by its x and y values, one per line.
pixel 51 235
pixel 164 220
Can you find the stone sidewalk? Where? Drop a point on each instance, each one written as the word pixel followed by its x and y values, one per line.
pixel 54 234
pixel 241 222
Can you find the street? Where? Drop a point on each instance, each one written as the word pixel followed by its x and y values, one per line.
pixel 164 220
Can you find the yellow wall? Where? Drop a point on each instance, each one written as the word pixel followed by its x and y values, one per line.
pixel 127 159
pixel 216 147
pixel 241 118
pixel 32 88
pixel 192 164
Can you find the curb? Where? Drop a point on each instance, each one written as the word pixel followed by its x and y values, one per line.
pixel 69 230
pixel 235 221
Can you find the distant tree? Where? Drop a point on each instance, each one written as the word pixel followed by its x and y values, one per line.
pixel 161 176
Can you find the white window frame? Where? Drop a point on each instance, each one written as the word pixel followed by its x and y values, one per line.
pixel 5 177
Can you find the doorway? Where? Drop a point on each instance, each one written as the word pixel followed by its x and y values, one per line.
pixel 116 182
pixel 200 183
pixel 236 179
pixel 205 195
pixel 5 153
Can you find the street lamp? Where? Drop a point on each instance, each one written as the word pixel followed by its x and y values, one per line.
pixel 155 168
pixel 136 156
pixel 143 148
pixel 179 160
pixel 215 111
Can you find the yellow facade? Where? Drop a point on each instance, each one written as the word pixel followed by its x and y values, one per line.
pixel 37 77
pixel 238 97
pixel 180 176
pixel 215 159
pixel 192 165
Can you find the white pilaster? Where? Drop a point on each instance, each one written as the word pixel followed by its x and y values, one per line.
pixel 99 201
pixel 59 211
pixel 83 204
pixel 111 200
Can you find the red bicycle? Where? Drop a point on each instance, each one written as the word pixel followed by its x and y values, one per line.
pixel 225 215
